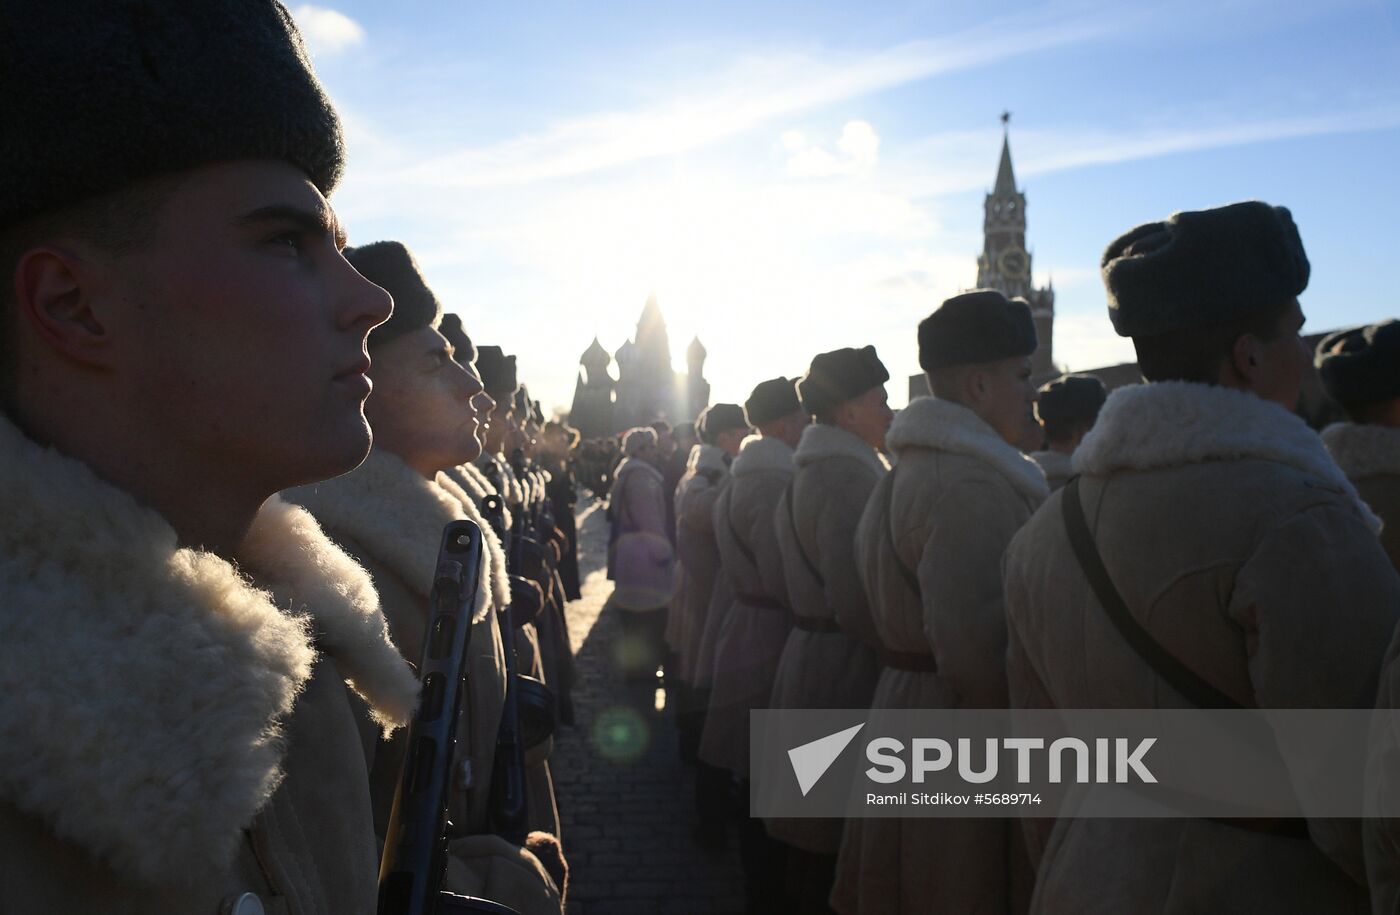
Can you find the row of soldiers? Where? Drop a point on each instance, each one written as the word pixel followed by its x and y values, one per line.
pixel 922 561
pixel 227 457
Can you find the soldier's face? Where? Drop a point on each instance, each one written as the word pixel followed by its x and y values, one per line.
pixel 242 329
pixel 869 416
pixel 422 405
pixel 1006 398
pixel 1282 361
pixel 497 427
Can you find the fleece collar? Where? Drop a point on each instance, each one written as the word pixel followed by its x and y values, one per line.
pixel 471 510
pixel 942 425
pixel 760 454
pixel 396 514
pixel 145 682
pixel 1175 423
pixel 707 459
pixel 820 442
pixel 1364 450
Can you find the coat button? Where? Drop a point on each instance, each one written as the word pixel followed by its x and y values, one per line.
pixel 243 904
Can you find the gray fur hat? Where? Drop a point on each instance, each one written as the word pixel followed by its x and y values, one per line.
pixel 717 418
pixel 1070 398
pixel 451 327
pixel 391 267
pixel 978 326
pixel 839 376
pixel 1362 365
pixel 770 400
pixel 103 93
pixel 497 372
pixel 1203 267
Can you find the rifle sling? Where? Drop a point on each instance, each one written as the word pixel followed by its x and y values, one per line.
pixel 910 579
pixel 1178 675
pixel 797 538
pixel 734 532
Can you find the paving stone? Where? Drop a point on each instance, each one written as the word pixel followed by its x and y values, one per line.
pixel 629 813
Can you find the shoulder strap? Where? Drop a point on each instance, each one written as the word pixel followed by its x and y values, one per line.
pixel 797 538
pixel 734 532
pixel 906 573
pixel 1182 678
pixel 613 495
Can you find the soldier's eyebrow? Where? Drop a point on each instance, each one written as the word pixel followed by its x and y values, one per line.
pixel 320 221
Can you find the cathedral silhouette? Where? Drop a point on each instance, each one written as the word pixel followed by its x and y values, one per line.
pixel 646 388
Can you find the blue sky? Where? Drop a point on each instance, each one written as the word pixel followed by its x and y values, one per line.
pixel 794 177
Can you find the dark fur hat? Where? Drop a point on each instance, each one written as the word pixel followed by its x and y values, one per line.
pixel 103 93
pixel 770 400
pixel 978 326
pixel 1361 366
pixel 391 267
pixel 717 418
pixel 1070 398
pixel 451 327
pixel 839 376
pixel 497 372
pixel 1202 268
pixel 523 409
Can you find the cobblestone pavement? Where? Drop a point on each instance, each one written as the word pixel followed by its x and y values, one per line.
pixel 626 802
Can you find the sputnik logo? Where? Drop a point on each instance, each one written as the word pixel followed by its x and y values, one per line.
pixel 811 760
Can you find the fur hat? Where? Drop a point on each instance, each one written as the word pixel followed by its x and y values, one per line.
pixel 497 372
pixel 1361 366
pixel 770 400
pixel 100 94
pixel 717 418
pixel 523 409
pixel 1070 398
pixel 839 376
pixel 1202 268
pixel 978 326
pixel 637 438
pixel 391 267
pixel 464 351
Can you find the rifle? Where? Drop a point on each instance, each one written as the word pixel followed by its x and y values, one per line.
pixel 509 805
pixel 415 847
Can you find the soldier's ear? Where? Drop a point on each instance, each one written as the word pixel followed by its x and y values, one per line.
pixel 1246 356
pixel 60 296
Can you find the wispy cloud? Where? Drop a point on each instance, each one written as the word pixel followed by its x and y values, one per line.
pixel 327 31
pixel 956 161
pixel 857 151
pixel 753 92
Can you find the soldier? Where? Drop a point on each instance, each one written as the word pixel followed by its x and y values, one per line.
pixel 389 514
pixel 1238 547
pixel 642 560
pixel 703 599
pixel 559 446
pixel 756 626
pixel 830 657
pixel 181 340
pixel 930 547
pixel 1066 409
pixel 1360 370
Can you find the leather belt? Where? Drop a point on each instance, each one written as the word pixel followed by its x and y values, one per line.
pixel 757 600
pixel 908 660
pixel 813 624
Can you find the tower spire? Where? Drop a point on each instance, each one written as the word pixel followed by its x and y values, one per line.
pixel 1006 176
